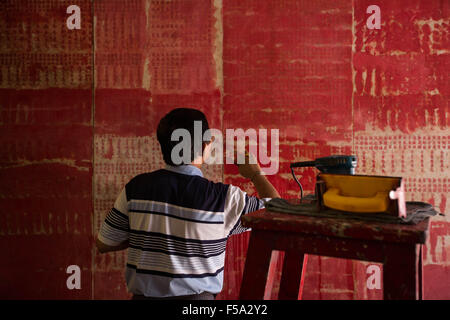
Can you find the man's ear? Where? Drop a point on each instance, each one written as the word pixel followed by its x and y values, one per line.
pixel 206 143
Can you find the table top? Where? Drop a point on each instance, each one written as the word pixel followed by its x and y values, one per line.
pixel 337 227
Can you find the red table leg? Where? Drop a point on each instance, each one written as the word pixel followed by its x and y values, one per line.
pixel 401 272
pixel 256 267
pixel 302 281
pixel 294 266
pixel 420 272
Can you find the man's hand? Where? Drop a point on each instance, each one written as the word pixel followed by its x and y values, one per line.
pixel 248 170
pixel 253 172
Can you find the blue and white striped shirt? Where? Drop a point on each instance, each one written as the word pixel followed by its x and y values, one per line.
pixel 177 224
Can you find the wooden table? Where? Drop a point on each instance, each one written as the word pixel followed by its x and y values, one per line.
pixel 398 247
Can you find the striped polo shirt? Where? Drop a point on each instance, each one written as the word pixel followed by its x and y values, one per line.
pixel 177 224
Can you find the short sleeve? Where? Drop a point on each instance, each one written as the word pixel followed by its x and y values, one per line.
pixel 115 228
pixel 237 204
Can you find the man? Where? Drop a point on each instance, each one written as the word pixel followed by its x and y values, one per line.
pixel 175 223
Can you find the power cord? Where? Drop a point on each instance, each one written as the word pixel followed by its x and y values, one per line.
pixel 298 182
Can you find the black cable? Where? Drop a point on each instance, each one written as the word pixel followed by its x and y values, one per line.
pixel 299 184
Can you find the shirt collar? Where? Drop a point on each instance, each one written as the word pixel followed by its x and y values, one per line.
pixel 187 169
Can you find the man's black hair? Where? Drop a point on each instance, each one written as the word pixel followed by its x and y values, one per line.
pixel 180 118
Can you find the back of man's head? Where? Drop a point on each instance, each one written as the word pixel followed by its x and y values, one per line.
pixel 180 118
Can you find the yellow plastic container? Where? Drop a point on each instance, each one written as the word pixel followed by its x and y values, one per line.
pixel 358 193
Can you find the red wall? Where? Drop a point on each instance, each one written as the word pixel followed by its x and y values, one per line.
pixel 79 108
pixel 46 154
